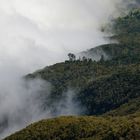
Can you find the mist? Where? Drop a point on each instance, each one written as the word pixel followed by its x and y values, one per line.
pixel 23 102
pixel 37 33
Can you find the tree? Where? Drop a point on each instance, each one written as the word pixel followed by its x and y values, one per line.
pixel 84 59
pixel 72 57
pixel 102 58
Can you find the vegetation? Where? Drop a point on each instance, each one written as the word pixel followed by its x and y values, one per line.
pixel 109 92
pixel 108 83
pixel 128 24
pixel 131 107
pixel 82 128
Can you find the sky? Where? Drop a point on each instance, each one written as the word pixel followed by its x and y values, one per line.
pixel 37 33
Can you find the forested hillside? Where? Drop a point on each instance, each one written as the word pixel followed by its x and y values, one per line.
pixel 105 84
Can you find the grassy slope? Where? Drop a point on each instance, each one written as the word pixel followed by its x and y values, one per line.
pixel 82 128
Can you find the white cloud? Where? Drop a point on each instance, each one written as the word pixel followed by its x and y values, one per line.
pixel 36 33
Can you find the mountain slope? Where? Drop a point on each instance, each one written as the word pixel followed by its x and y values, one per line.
pixel 131 107
pixel 101 88
pixel 111 91
pixel 108 83
pixel 126 32
pixel 82 128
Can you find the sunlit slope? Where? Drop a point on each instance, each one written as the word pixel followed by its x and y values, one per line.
pixel 82 128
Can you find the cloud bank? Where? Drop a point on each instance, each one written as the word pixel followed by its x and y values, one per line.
pixel 37 33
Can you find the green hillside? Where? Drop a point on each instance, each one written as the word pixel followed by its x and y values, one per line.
pixel 109 92
pixel 82 128
pixel 131 107
pixel 101 87
pixel 108 83
pixel 126 32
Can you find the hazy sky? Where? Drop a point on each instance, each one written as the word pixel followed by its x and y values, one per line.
pixel 36 33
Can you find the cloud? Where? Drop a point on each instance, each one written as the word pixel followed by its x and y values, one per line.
pixel 36 33
pixel 21 103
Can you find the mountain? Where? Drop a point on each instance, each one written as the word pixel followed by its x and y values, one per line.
pixel 101 87
pixel 82 128
pixel 106 88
